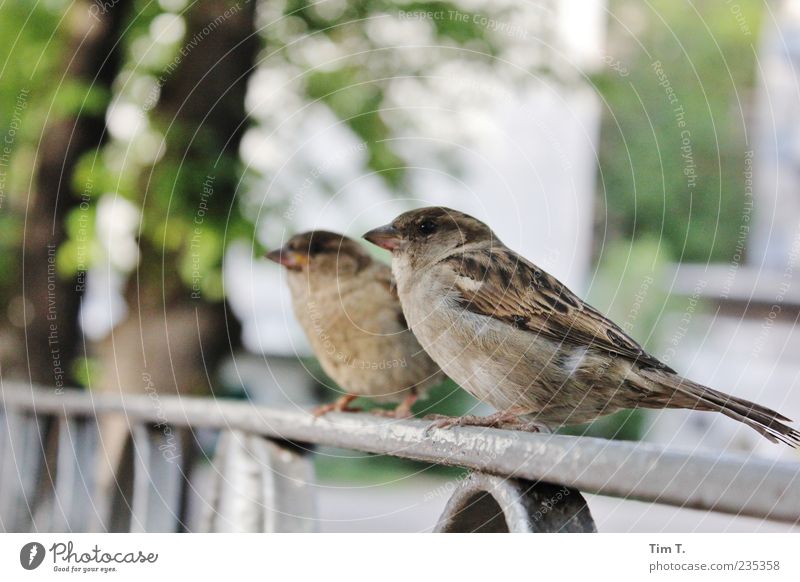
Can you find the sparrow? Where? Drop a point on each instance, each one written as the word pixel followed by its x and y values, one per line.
pixel 347 305
pixel 519 340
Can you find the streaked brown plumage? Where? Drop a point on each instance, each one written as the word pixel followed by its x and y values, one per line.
pixel 347 306
pixel 518 339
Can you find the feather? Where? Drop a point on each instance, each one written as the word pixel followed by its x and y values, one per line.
pixel 514 290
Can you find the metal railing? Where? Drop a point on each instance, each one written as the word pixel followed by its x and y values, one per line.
pixel 263 478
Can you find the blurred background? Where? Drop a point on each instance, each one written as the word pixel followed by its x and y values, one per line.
pixel 647 154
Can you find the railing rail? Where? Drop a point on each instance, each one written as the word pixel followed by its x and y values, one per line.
pixel 723 483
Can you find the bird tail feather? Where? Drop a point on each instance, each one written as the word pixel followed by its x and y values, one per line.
pixel 765 421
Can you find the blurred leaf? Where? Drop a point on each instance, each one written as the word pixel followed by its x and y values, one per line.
pixel 461 28
pixel 86 371
pixel 77 98
pixel 200 260
pixel 359 105
pixel 709 64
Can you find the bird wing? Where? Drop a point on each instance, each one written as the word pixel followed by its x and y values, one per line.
pixel 499 283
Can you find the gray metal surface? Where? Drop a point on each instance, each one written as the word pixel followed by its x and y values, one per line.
pixel 157 483
pixel 259 486
pixel 72 509
pixel 730 484
pixel 490 504
pixel 22 466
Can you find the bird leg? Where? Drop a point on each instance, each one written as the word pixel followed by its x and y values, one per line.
pixel 496 420
pixel 403 410
pixel 340 405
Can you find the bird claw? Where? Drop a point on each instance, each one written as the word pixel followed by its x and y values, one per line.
pixel 528 427
pixel 506 420
pixel 445 422
pixel 323 410
pixel 382 412
pixel 441 421
pixel 434 425
pixel 397 413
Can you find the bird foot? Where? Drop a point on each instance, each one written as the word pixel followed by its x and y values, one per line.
pixel 341 405
pixel 528 427
pixel 403 409
pixel 399 413
pixel 383 412
pixel 496 420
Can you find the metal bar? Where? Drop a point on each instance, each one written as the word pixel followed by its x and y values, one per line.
pixel 20 466
pixel 62 511
pixel 83 441
pixel 71 505
pixel 726 483
pixel 157 482
pixel 259 486
pixel 219 515
pixel 142 452
pixel 286 478
pixel 490 504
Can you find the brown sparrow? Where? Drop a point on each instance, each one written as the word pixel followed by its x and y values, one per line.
pixel 518 339
pixel 346 303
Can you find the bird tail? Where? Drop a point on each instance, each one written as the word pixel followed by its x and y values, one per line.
pixel 688 394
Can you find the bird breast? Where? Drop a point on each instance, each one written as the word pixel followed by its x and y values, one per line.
pixel 495 362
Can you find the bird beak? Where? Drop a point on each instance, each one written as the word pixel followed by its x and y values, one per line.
pixel 387 237
pixel 288 258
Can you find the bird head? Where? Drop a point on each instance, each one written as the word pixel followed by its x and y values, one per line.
pixel 321 252
pixel 426 234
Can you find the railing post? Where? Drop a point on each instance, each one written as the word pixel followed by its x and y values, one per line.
pixel 259 486
pixel 158 477
pixel 22 465
pixel 72 504
pixel 263 485
pixel 489 504
pixel 113 473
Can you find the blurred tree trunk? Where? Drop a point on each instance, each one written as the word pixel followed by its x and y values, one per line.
pixel 172 340
pixel 42 334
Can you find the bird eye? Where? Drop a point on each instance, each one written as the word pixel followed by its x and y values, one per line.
pixel 426 227
pixel 314 248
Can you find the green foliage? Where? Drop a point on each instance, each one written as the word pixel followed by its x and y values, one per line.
pixel 448 399
pixel 190 207
pixel 32 95
pixel 461 30
pixel 78 98
pixel 709 64
pixel 10 234
pixel 625 425
pixel 357 101
pixel 81 248
pixel 29 55
pixel 188 228
pixel 354 88
pixel 186 192
pixel 458 30
pixel 86 372
pixel 626 285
